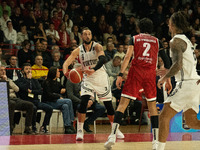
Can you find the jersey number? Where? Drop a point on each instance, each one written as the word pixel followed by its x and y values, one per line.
pixel 147 48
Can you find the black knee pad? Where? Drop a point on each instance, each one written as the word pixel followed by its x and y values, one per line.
pixel 109 107
pixel 84 102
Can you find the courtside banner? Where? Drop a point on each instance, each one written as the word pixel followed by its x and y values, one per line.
pixel 4 115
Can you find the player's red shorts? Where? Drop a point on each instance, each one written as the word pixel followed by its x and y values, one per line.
pixel 140 78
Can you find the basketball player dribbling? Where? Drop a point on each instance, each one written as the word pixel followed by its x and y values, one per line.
pixel 95 79
pixel 142 75
pixel 186 94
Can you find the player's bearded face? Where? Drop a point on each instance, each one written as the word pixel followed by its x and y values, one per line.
pixel 87 37
pixel 87 41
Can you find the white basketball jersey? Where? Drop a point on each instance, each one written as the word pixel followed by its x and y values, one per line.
pixel 188 71
pixel 89 59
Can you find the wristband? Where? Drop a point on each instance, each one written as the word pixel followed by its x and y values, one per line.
pixel 120 74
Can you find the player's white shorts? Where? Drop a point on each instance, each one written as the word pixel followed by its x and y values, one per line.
pixel 186 95
pixel 97 83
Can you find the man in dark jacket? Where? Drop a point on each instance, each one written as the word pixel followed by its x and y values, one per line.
pixel 17 103
pixel 29 89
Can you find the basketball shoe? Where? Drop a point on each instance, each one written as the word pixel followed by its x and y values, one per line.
pixel 79 135
pixel 119 134
pixel 154 145
pixel 111 141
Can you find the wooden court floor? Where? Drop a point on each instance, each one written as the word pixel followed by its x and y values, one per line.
pixel 172 145
pixel 134 140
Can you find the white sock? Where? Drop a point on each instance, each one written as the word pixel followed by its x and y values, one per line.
pixel 161 146
pixel 155 132
pixel 115 127
pixel 80 126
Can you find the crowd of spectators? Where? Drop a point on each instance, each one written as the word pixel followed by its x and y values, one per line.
pixel 60 22
pixel 45 32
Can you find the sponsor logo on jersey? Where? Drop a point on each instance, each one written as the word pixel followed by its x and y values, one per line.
pixel 90 62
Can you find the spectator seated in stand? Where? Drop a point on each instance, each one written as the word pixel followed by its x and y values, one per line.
pixel 113 68
pixel 10 36
pixel 54 95
pixel 29 89
pixel 46 54
pixel 57 61
pixel 109 34
pixel 110 51
pixel 39 33
pixel 2 60
pixel 17 103
pixel 21 36
pixel 75 35
pixel 41 75
pixel 24 55
pixel 13 73
pixel 120 51
pixel 64 41
pixel 4 19
pixel 52 35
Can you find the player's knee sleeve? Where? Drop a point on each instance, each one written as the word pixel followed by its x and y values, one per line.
pixel 84 103
pixel 109 107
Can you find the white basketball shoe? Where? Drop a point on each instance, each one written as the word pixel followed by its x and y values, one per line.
pixel 111 141
pixel 154 145
pixel 79 135
pixel 119 134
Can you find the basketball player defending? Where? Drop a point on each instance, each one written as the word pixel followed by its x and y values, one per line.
pixel 95 79
pixel 142 75
pixel 186 94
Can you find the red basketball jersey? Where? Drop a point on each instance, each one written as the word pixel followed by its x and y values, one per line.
pixel 142 73
pixel 145 51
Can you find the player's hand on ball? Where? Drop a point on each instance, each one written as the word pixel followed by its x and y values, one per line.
pixel 89 72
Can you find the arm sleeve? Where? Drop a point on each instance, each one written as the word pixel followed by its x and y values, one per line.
pixel 102 60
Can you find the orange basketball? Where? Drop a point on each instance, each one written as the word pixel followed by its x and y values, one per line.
pixel 75 76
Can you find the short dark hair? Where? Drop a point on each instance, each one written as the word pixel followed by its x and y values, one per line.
pixel 85 28
pixel 25 42
pixel 24 65
pixel 8 22
pixel 146 25
pixel 52 73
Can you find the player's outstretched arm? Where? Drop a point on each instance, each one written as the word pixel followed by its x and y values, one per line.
pixel 69 60
pixel 127 58
pixel 124 65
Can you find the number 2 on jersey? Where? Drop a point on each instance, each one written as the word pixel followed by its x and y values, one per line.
pixel 147 48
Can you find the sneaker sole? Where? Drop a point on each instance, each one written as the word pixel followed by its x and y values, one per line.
pixel 79 139
pixel 120 137
pixel 108 145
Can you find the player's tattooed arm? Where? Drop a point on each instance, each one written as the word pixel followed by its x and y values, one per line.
pixel 178 46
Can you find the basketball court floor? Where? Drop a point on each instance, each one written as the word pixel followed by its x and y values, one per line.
pixel 134 140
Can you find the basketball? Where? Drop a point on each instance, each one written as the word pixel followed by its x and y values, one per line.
pixel 75 76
